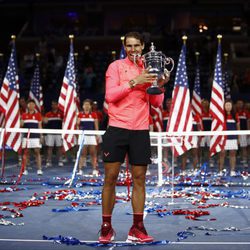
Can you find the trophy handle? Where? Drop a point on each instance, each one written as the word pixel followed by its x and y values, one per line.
pixel 167 61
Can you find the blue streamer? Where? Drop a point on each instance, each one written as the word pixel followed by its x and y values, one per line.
pixel 69 209
pixel 68 240
pixel 184 235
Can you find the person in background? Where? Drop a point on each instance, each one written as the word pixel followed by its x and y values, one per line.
pixel 98 112
pixel 241 113
pixel 232 123
pixel 99 115
pixel 32 119
pixel 128 133
pixel 22 105
pixel 205 140
pixel 87 120
pixel 166 113
pixel 22 109
pixel 197 126
pixel 53 120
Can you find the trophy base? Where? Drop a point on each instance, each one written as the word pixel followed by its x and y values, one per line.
pixel 154 90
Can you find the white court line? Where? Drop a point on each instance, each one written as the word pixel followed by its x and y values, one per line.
pixel 173 242
pixel 11 166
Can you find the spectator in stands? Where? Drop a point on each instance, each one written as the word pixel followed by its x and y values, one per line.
pixel 87 120
pixel 31 119
pixel 232 123
pixel 53 120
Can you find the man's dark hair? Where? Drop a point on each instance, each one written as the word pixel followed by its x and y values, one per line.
pixel 134 34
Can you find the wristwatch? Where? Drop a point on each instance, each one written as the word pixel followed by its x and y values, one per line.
pixel 132 83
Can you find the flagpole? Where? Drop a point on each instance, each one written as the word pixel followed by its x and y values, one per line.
pixel 13 38
pixel 219 37
pixel 122 39
pixel 37 57
pixel 197 55
pixel 184 39
pixel 226 56
pixel 113 53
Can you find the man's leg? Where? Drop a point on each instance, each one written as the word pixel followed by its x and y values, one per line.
pixel 138 232
pixel 138 195
pixel 108 193
pixel 108 200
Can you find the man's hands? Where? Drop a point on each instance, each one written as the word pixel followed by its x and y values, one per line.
pixel 146 77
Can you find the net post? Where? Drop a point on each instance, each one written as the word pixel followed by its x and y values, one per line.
pixel 159 152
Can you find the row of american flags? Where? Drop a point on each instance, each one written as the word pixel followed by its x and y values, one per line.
pixel 181 114
pixel 184 108
pixel 9 99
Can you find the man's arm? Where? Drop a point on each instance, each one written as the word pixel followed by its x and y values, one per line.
pixel 114 91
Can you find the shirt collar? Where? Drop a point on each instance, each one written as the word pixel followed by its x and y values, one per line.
pixel 140 63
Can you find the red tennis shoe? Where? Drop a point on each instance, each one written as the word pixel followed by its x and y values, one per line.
pixel 107 233
pixel 139 234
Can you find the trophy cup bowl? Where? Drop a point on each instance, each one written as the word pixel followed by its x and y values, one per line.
pixel 157 63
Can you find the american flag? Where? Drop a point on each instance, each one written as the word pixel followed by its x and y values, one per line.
pixel 1 81
pixel 196 98
pixel 217 142
pixel 36 92
pixel 9 103
pixel 122 52
pixel 180 114
pixel 67 100
pixel 1 119
pixel 226 79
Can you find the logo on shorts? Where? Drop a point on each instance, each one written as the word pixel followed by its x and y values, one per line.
pixel 106 154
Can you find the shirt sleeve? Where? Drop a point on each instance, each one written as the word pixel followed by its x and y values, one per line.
pixel 114 91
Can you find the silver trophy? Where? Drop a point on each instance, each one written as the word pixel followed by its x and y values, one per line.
pixel 158 64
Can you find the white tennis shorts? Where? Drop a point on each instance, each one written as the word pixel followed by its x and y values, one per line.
pixel 243 140
pixel 231 144
pixel 88 140
pixel 53 140
pixel 31 143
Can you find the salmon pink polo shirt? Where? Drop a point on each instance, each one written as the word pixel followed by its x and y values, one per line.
pixel 128 108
